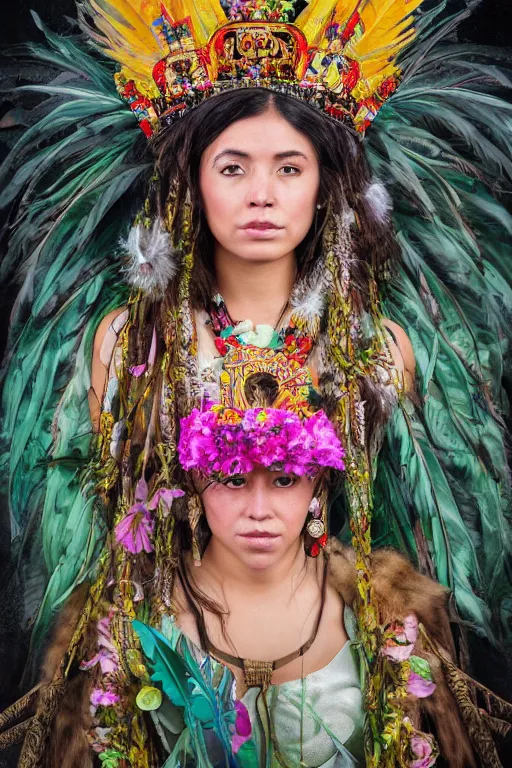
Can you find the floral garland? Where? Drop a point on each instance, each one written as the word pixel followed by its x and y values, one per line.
pixel 220 442
pixel 390 669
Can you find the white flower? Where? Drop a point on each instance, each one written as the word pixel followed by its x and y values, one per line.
pixel 260 337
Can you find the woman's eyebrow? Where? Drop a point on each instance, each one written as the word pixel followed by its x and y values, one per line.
pixel 246 155
pixel 231 153
pixel 290 153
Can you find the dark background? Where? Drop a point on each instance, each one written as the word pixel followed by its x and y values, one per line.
pixel 490 23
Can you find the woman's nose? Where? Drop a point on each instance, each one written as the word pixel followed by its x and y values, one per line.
pixel 259 507
pixel 260 193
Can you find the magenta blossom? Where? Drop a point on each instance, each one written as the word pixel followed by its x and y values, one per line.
pixel 138 370
pixel 422 750
pixel 105 659
pixel 135 530
pixel 220 442
pixel 101 698
pixel 166 496
pixel 243 728
pixel 419 686
pixel 107 656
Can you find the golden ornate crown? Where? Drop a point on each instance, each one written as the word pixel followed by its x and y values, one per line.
pixel 340 55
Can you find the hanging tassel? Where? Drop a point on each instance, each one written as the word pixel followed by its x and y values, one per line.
pixel 195 510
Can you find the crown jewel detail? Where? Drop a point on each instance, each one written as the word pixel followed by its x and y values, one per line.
pixel 340 55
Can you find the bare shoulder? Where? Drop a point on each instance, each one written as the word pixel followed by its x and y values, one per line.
pixel 104 326
pixel 103 347
pixel 403 351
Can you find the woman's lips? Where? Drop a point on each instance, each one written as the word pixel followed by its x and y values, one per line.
pixel 261 230
pixel 259 539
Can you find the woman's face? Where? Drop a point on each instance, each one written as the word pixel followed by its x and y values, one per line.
pixel 258 517
pixel 259 183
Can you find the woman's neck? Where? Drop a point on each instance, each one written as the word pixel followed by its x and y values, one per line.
pixel 254 290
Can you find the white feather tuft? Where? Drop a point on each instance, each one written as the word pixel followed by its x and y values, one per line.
pixel 379 201
pixel 309 306
pixel 348 217
pixel 152 261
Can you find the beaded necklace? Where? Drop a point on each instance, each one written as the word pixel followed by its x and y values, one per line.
pixel 290 340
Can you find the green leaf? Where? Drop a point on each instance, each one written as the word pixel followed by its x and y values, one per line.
pixel 168 668
pixel 421 667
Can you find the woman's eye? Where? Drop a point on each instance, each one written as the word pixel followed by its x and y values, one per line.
pixel 285 481
pixel 232 170
pixel 235 482
pixel 290 170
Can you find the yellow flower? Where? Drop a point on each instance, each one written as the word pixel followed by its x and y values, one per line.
pixel 149 698
pixel 229 416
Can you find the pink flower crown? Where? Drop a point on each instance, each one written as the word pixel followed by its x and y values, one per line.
pixel 221 442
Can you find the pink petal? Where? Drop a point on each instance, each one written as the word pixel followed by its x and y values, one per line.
pixel 137 370
pixel 153 503
pixel 152 351
pixel 104 639
pixel 420 687
pixel 397 652
pixel 411 628
pixel 166 496
pixel 133 531
pixel 141 491
pixel 91 663
pixel 124 534
pixel 101 698
pixel 421 748
pixel 108 663
pixel 424 762
pixel 141 539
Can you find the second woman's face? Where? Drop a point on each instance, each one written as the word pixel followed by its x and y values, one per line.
pixel 260 516
pixel 259 183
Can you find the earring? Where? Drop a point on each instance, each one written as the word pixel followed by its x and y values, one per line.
pixel 315 529
pixel 318 206
pixel 315 525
